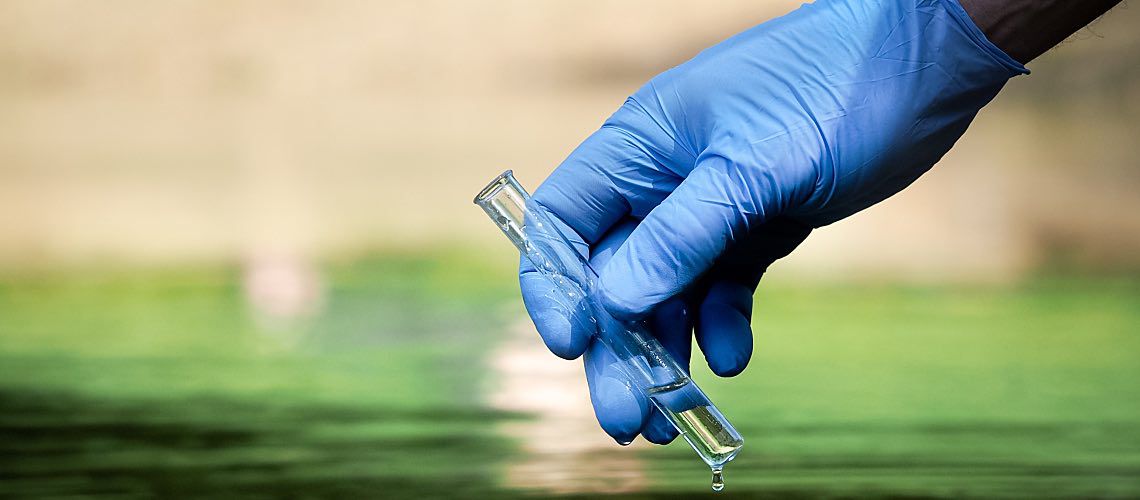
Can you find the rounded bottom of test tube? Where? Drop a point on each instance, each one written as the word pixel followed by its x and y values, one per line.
pixel 717 479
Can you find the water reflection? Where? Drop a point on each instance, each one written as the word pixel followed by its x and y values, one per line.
pixel 562 449
pixel 56 445
pixel 284 292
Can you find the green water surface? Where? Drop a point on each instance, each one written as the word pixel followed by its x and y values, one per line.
pixel 162 383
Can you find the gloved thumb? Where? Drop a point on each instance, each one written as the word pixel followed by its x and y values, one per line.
pixel 681 238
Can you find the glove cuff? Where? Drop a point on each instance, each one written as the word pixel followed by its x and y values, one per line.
pixel 984 44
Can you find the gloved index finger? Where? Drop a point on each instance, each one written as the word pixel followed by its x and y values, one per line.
pixel 622 169
pixel 581 193
pixel 602 181
pixel 685 235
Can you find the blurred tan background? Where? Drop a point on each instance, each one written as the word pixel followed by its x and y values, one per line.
pixel 197 131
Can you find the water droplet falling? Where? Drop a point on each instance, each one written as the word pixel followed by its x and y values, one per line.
pixel 717 479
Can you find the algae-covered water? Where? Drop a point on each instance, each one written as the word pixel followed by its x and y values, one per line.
pixel 164 383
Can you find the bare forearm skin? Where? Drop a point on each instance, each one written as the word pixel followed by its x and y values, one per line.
pixel 1025 29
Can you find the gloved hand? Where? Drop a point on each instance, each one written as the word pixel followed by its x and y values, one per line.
pixel 720 166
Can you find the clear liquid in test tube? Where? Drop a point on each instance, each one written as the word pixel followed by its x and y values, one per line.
pixel 648 366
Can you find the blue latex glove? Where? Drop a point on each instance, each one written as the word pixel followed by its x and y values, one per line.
pixel 720 166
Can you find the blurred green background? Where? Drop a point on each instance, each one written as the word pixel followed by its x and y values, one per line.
pixel 238 258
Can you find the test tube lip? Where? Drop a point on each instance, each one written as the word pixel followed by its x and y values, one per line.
pixel 493 187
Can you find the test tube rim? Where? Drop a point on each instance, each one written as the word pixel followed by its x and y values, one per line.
pixel 493 187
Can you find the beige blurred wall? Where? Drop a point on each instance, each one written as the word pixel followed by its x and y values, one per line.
pixel 186 131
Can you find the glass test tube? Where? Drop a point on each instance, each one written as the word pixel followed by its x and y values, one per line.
pixel 647 364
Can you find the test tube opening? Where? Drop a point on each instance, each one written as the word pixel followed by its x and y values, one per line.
pixel 493 187
pixel 504 200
